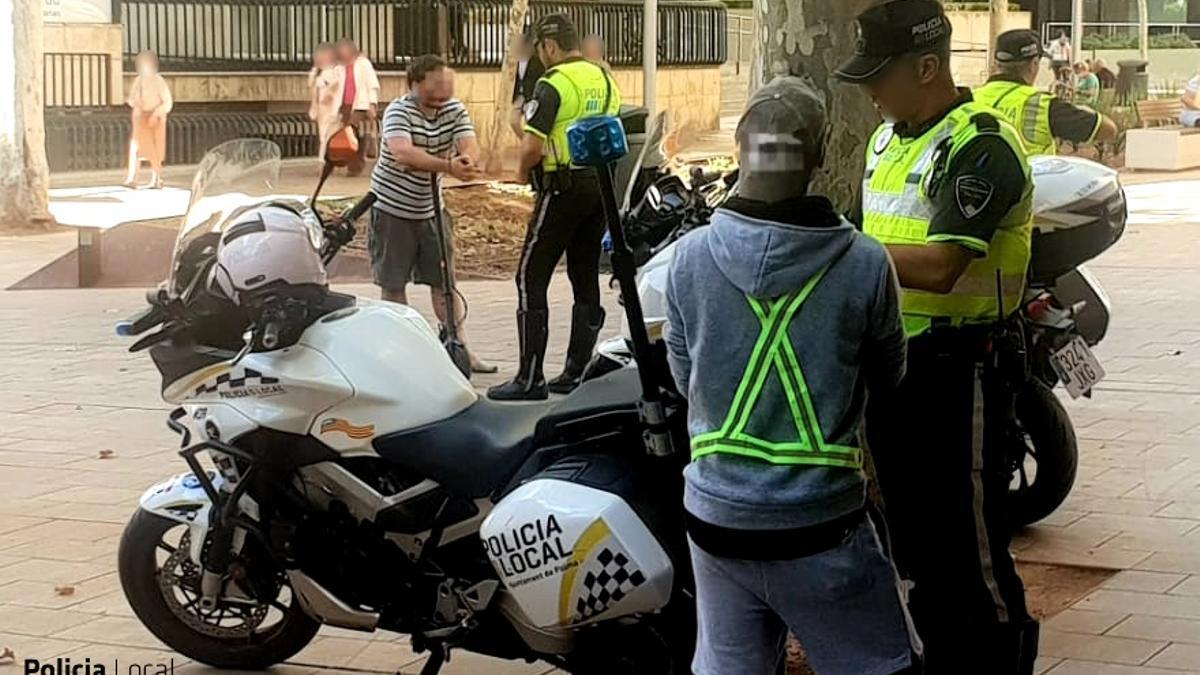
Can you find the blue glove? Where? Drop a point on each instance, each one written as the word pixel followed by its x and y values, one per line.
pixel 606 242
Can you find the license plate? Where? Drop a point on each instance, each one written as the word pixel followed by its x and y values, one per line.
pixel 1077 367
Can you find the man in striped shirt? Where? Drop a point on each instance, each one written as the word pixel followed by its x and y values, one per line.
pixel 426 131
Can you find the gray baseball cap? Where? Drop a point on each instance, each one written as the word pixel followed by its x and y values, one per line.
pixel 783 127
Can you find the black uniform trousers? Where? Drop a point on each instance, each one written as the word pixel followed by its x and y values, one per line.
pixel 568 217
pixel 943 478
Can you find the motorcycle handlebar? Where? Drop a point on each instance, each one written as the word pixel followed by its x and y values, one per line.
pixel 141 323
pixel 341 231
pixel 360 208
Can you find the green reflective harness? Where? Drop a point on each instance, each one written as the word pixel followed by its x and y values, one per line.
pixel 773 352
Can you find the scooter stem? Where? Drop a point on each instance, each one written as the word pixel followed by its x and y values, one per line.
pixel 454 344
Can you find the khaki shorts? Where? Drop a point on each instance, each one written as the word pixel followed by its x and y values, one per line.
pixel 404 250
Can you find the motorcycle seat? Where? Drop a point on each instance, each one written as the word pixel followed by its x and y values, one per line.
pixel 478 450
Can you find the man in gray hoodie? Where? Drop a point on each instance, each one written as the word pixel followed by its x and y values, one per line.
pixel 780 317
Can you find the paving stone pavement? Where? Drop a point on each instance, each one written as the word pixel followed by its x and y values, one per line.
pixel 68 390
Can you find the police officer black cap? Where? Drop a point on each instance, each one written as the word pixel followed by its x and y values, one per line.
pixel 893 29
pixel 557 27
pixel 1018 45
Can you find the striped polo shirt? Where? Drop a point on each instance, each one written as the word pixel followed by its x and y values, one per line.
pixel 402 192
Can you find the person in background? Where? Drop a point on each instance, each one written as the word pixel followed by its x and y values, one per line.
pixel 426 131
pixel 568 216
pixel 1108 79
pixel 325 81
pixel 150 101
pixel 360 96
pixel 529 69
pixel 1060 54
pixel 593 50
pixel 948 190
pixel 780 318
pixel 1087 85
pixel 1190 116
pixel 1039 117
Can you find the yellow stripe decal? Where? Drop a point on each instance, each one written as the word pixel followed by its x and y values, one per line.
pixel 204 375
pixel 594 534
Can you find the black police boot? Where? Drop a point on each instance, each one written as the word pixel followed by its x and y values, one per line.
pixel 586 322
pixel 529 384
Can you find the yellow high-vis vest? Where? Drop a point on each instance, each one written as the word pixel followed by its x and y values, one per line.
pixel 898 209
pixel 1026 108
pixel 584 90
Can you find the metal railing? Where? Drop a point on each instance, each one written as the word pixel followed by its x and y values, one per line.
pixel 89 140
pixel 76 80
pixel 244 35
pixel 740 35
pixel 1050 30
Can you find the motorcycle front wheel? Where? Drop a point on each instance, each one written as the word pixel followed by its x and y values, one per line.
pixel 162 584
pixel 1046 459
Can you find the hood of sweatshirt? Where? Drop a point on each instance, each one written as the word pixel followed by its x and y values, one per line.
pixel 768 258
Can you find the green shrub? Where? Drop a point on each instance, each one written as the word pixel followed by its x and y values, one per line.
pixel 1168 41
pixel 973 6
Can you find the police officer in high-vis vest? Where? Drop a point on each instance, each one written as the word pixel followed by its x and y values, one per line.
pixel 947 190
pixel 1041 118
pixel 567 216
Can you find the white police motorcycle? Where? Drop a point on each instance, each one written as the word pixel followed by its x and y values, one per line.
pixel 343 472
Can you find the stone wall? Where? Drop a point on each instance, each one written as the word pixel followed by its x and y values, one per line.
pixel 691 95
pixel 971 31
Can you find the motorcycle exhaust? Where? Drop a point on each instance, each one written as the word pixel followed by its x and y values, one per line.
pixel 322 605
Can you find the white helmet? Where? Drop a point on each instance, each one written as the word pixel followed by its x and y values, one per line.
pixel 268 248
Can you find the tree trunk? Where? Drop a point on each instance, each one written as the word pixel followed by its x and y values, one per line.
pixel 508 70
pixel 810 38
pixel 24 175
pixel 1143 30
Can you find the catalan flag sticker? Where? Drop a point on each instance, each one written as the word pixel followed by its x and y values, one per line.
pixel 337 424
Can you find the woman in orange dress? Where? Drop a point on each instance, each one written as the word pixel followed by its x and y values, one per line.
pixel 150 99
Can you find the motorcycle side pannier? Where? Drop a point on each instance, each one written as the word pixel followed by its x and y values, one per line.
pixel 1079 212
pixel 573 554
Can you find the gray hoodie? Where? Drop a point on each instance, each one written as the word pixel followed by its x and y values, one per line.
pixel 847 336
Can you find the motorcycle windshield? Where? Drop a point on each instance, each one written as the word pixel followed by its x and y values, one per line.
pixel 232 177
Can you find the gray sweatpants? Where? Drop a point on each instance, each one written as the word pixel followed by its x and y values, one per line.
pixel 841 604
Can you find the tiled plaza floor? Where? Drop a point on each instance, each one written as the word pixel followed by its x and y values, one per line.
pixel 68 389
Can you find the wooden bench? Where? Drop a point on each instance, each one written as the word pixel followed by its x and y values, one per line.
pixel 1160 112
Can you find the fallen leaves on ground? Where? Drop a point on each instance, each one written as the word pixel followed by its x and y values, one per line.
pixel 106 454
pixel 64 590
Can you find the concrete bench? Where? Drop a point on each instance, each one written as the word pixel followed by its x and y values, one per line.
pixel 1164 148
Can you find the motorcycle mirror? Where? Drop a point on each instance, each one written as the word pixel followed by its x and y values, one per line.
pixel 249 342
pixel 340 150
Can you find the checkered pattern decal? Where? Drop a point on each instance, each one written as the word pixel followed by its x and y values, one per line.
pixel 248 377
pixel 609 578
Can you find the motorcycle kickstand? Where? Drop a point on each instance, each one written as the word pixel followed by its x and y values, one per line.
pixel 437 659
